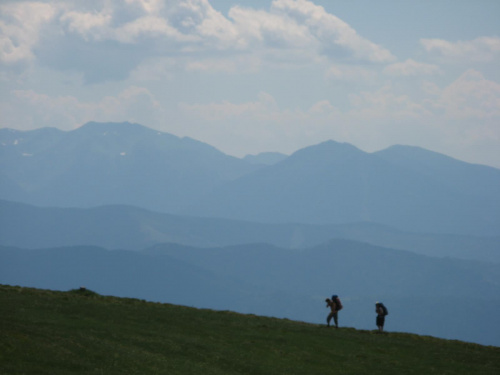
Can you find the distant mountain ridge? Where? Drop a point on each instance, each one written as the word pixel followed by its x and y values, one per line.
pixel 110 163
pixel 131 228
pixel 338 183
pixel 404 187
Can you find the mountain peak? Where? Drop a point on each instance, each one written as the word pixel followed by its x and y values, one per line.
pixel 327 150
pixel 128 127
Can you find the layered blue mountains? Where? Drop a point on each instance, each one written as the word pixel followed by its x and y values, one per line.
pixel 130 211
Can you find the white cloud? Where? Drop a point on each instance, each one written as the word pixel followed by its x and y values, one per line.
pixel 351 73
pixel 330 31
pixel 411 68
pixel 147 27
pixel 88 24
pixel 217 30
pixel 323 107
pixel 68 112
pixel 20 28
pixel 148 6
pixel 155 69
pixel 225 110
pixel 483 49
pixel 471 96
pixel 213 65
pixel 385 103
pixel 261 29
pixel 467 110
pixel 299 30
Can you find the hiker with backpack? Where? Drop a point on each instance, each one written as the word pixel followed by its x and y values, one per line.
pixel 335 306
pixel 381 311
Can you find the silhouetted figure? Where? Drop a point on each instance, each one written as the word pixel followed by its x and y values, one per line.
pixel 335 306
pixel 381 311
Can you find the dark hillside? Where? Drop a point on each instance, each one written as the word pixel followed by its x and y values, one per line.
pixel 80 332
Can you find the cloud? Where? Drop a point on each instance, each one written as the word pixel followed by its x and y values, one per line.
pixel 333 34
pixel 261 29
pixel 68 112
pixel 148 6
pixel 303 25
pixel 471 96
pixel 144 28
pixel 351 73
pixel 385 103
pixel 90 25
pixel 262 125
pixel 226 110
pixel 20 28
pixel 483 49
pixel 289 32
pixel 411 68
pixel 468 107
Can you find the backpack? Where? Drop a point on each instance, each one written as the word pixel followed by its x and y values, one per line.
pixel 386 312
pixel 338 304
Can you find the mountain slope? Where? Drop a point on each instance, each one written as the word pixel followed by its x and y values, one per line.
pixel 97 334
pixel 424 295
pixel 110 163
pixel 470 179
pixel 337 183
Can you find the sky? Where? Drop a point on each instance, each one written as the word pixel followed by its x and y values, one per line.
pixel 258 76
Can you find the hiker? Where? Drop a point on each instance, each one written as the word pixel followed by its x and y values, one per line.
pixel 335 306
pixel 381 311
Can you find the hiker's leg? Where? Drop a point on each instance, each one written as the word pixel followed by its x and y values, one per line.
pixel 336 319
pixel 328 319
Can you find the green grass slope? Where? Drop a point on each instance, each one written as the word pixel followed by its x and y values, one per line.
pixel 80 332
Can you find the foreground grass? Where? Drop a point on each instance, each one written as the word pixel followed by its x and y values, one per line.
pixel 47 332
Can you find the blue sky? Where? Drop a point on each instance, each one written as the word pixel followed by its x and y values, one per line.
pixel 255 76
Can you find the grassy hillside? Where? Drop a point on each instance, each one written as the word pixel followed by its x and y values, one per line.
pixel 47 332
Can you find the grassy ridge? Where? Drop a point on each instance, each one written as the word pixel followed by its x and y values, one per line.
pixel 48 332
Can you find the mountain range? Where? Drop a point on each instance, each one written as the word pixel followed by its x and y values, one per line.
pixel 134 212
pixel 404 187
pixel 110 163
pixel 338 183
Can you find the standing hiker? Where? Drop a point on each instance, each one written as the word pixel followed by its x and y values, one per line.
pixel 335 306
pixel 381 311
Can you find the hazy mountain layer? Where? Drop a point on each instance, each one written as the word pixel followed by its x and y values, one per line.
pixel 404 187
pixel 338 183
pixel 123 227
pixel 112 163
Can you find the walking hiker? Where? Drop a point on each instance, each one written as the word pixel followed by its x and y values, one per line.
pixel 335 306
pixel 381 311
